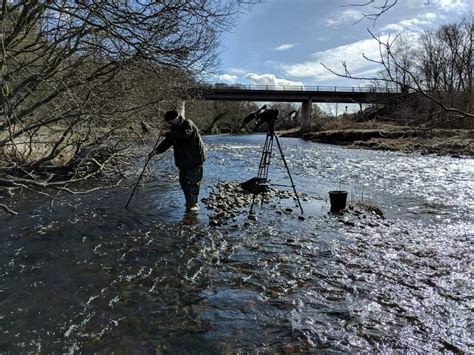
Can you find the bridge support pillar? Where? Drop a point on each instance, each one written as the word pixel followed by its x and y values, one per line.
pixel 181 107
pixel 306 110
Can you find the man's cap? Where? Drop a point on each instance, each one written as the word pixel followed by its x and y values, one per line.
pixel 171 115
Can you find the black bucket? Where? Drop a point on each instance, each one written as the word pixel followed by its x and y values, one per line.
pixel 338 200
pixel 255 185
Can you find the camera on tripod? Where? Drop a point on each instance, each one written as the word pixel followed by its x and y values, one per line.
pixel 259 184
pixel 263 115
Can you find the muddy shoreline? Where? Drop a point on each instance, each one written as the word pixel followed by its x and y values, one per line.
pixel 454 142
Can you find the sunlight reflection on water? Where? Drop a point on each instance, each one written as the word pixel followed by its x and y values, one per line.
pixel 99 278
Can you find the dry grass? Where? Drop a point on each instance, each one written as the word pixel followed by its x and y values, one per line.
pixel 26 149
pixel 462 144
pixel 368 207
pixel 388 135
pixel 345 122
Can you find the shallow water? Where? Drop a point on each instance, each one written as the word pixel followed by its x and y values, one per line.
pixel 87 275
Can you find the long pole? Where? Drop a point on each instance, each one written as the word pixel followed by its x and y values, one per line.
pixel 143 171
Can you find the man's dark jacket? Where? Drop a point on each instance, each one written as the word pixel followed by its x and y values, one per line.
pixel 187 145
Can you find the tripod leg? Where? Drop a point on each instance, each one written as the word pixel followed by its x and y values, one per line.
pixel 267 162
pixel 262 174
pixel 289 174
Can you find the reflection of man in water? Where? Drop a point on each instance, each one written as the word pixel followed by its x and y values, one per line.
pixel 189 154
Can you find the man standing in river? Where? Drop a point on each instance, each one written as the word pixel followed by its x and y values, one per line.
pixel 189 154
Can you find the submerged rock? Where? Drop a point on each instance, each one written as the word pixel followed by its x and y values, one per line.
pixel 228 201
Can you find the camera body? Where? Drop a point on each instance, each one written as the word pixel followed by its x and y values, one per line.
pixel 269 116
pixel 263 115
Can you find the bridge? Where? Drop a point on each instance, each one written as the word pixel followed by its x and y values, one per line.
pixel 307 95
pixel 284 93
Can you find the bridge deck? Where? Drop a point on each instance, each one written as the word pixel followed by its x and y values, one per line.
pixel 282 93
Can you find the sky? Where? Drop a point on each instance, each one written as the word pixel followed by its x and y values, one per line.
pixel 284 42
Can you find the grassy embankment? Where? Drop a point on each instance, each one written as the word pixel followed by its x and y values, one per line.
pixel 390 136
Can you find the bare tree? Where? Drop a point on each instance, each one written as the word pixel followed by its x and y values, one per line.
pixel 440 69
pixel 444 63
pixel 404 52
pixel 74 73
pixel 376 8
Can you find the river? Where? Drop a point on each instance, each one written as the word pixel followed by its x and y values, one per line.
pixel 84 274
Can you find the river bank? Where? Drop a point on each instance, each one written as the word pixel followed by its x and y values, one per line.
pixel 456 142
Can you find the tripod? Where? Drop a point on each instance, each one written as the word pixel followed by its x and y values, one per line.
pixel 264 165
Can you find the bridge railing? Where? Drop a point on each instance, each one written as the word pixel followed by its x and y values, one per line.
pixel 365 89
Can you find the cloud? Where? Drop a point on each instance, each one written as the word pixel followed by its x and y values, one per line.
pixel 284 47
pixel 452 5
pixel 227 78
pixel 271 79
pixel 332 58
pixel 414 24
pixel 349 15
pixel 237 71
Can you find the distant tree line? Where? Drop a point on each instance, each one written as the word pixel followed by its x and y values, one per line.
pixel 215 117
pixel 438 66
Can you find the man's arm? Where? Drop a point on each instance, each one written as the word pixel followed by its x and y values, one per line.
pixel 162 147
